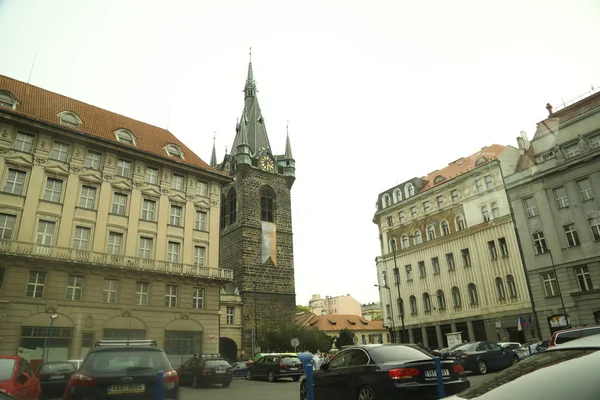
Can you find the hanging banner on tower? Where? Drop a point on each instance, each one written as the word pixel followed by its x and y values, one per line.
pixel 269 242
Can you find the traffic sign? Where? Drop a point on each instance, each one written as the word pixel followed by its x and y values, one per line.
pixel 295 342
pixel 355 340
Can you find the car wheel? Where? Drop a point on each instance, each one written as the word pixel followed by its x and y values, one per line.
pixel 227 384
pixel 366 393
pixel 303 391
pixel 271 376
pixel 482 367
pixel 249 375
pixel 515 359
pixel 296 378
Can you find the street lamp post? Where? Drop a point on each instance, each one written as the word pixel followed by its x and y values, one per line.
pixel 53 317
pixel 391 307
pixel 400 300
pixel 562 300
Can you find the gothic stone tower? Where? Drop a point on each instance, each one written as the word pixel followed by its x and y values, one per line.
pixel 256 221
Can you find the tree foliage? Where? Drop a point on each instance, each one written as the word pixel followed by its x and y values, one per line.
pixel 345 338
pixel 303 309
pixel 274 337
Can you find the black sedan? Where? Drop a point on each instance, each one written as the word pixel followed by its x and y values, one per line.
pixel 481 357
pixel 54 377
pixel 384 371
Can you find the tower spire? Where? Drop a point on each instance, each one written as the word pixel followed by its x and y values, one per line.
pixel 288 146
pixel 213 156
pixel 250 88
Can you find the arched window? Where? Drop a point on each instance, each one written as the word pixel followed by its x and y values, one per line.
pixel 124 136
pixel 426 302
pixel 500 288
pixel 445 228
pixel 223 211
pixel 409 190
pixel 405 242
pixel 267 204
pixel 485 214
pixel 417 237
pixel 69 119
pixel 460 223
pixel 393 245
pixel 495 210
pixel 430 232
pixel 385 201
pixel 6 100
pixel 413 304
pixel 174 151
pixel 441 299
pixel 456 300
pixel 512 288
pixel 473 298
pixel 438 179
pixel 397 195
pixel 232 205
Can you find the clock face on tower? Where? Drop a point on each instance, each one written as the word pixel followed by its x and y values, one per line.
pixel 266 163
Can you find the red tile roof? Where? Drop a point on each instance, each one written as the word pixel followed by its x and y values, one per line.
pixel 337 322
pixel 45 106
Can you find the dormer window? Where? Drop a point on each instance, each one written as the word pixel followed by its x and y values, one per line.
pixel 480 160
pixel 124 136
pixel 438 179
pixel 69 119
pixel 7 100
pixel 174 151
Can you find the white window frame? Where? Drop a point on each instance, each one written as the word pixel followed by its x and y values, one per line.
pixel 171 292
pixel 173 251
pixel 435 264
pixel 530 206
pixel 82 237
pixel 560 195
pixel 23 142
pixel 112 247
pixel 408 269
pixel 145 251
pixel 93 160
pixel 450 261
pixel 198 298
pixel 571 235
pixel 199 255
pixel 441 299
pixel 454 195
pixel 431 233
pixel 422 269
pixel 17 180
pixel 37 284
pixel 466 257
pixel 585 193
pixel 500 292
pixel 426 302
pixel 401 216
pixel 492 249
pixel 473 295
pixel 439 201
pixel 75 287
pixel 148 210
pixel 60 151
pixel 456 300
pixel 512 286
pixel 8 223
pixel 445 228
pixel 460 223
pixel 485 214
pixel 413 304
pixel 152 175
pixel 87 197
pixel 549 283
pixel 110 291
pixel 175 215
pixel 405 242
pixel 142 293
pixel 53 189
pixel 503 245
pixel 426 206
pixel 584 279
pixel 479 185
pixel 594 224
pixel 201 188
pixel 489 184
pixel 123 168
pixel 45 232
pixel 178 182
pixel 119 203
pixel 539 243
pixel 495 210
pixel 230 315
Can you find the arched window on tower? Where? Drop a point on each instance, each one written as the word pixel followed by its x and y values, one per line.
pixel 267 204
pixel 232 205
pixel 223 211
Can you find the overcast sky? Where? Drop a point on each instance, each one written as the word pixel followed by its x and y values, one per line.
pixel 376 92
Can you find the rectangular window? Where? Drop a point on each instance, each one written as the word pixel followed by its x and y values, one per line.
pixel 7 225
pixel 435 263
pixel 585 189
pixel 152 175
pixel 427 303
pixel 88 197
pixel 572 150
pixel 60 151
pixel 500 292
pixel 440 201
pixel 479 185
pixel 530 207
pixel 503 247
pixel 199 252
pixel 92 160
pixel 450 261
pixel 123 168
pixel 408 272
pixel 485 214
pixel 81 240
pixel 230 315
pixel 142 289
pixel 23 142
pixel 45 233
pixel 53 190
pixel 426 206
pixel 396 272
pixel 571 235
pixel 146 246
pixel 488 182
pixel 401 216
pixel 115 243
pixel 109 292
pixel 74 287
pixel 413 211
pixel 35 284
pixel 175 215
pixel 202 188
pixel 119 204
pixel 560 195
pixel 198 298
pixel 173 249
pixel 466 257
pixel 383 278
pixel 512 287
pixel 454 195
pixel 492 250
pixel 539 243
pixel 171 296
pixel 15 181
pixel 177 182
pixel 422 270
pixel 593 222
pixel 390 221
pixel 583 278
pixel 495 210
pixel 550 283
pixel 148 210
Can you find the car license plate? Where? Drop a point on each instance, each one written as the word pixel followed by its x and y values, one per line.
pixel 220 371
pixel 131 388
pixel 433 374
pixel 57 377
pixel 293 369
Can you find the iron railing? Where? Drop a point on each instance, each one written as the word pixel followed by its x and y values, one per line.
pixel 13 247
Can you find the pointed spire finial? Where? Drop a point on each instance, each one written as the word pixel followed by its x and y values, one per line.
pixel 288 146
pixel 213 156
pixel 250 54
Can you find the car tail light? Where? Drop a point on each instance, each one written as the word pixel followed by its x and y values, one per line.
pixel 464 356
pixel 458 369
pixel 202 372
pixel 171 376
pixel 281 365
pixel 404 373
pixel 80 380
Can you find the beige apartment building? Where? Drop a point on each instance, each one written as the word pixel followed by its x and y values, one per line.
pixel 334 305
pixel 109 228
pixel 449 256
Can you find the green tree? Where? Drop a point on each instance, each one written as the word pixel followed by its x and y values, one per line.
pixel 345 338
pixel 274 337
pixel 302 309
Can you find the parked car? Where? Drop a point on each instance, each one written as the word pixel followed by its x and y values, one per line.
pixel 275 366
pixel 567 335
pixel 206 369
pixel 239 369
pixel 54 377
pixel 123 369
pixel 565 371
pixel 481 357
pixel 384 372
pixel 17 379
pixel 76 363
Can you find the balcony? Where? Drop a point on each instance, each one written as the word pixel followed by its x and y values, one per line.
pixel 26 249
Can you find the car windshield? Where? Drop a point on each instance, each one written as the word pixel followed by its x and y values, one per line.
pixel 290 360
pixel 122 360
pixel 216 363
pixel 7 366
pixel 51 368
pixel 400 353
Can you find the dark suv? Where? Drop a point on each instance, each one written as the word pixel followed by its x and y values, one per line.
pixel 206 369
pixel 275 366
pixel 123 369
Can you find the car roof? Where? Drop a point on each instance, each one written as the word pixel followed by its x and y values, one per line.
pixel 10 357
pixel 123 348
pixel 587 342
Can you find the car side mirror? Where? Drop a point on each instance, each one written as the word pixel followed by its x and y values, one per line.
pixel 24 377
pixel 324 367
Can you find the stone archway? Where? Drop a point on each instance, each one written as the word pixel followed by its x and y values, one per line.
pixel 228 349
pixel 46 335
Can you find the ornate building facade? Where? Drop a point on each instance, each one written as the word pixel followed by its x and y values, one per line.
pixel 109 228
pixel 449 256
